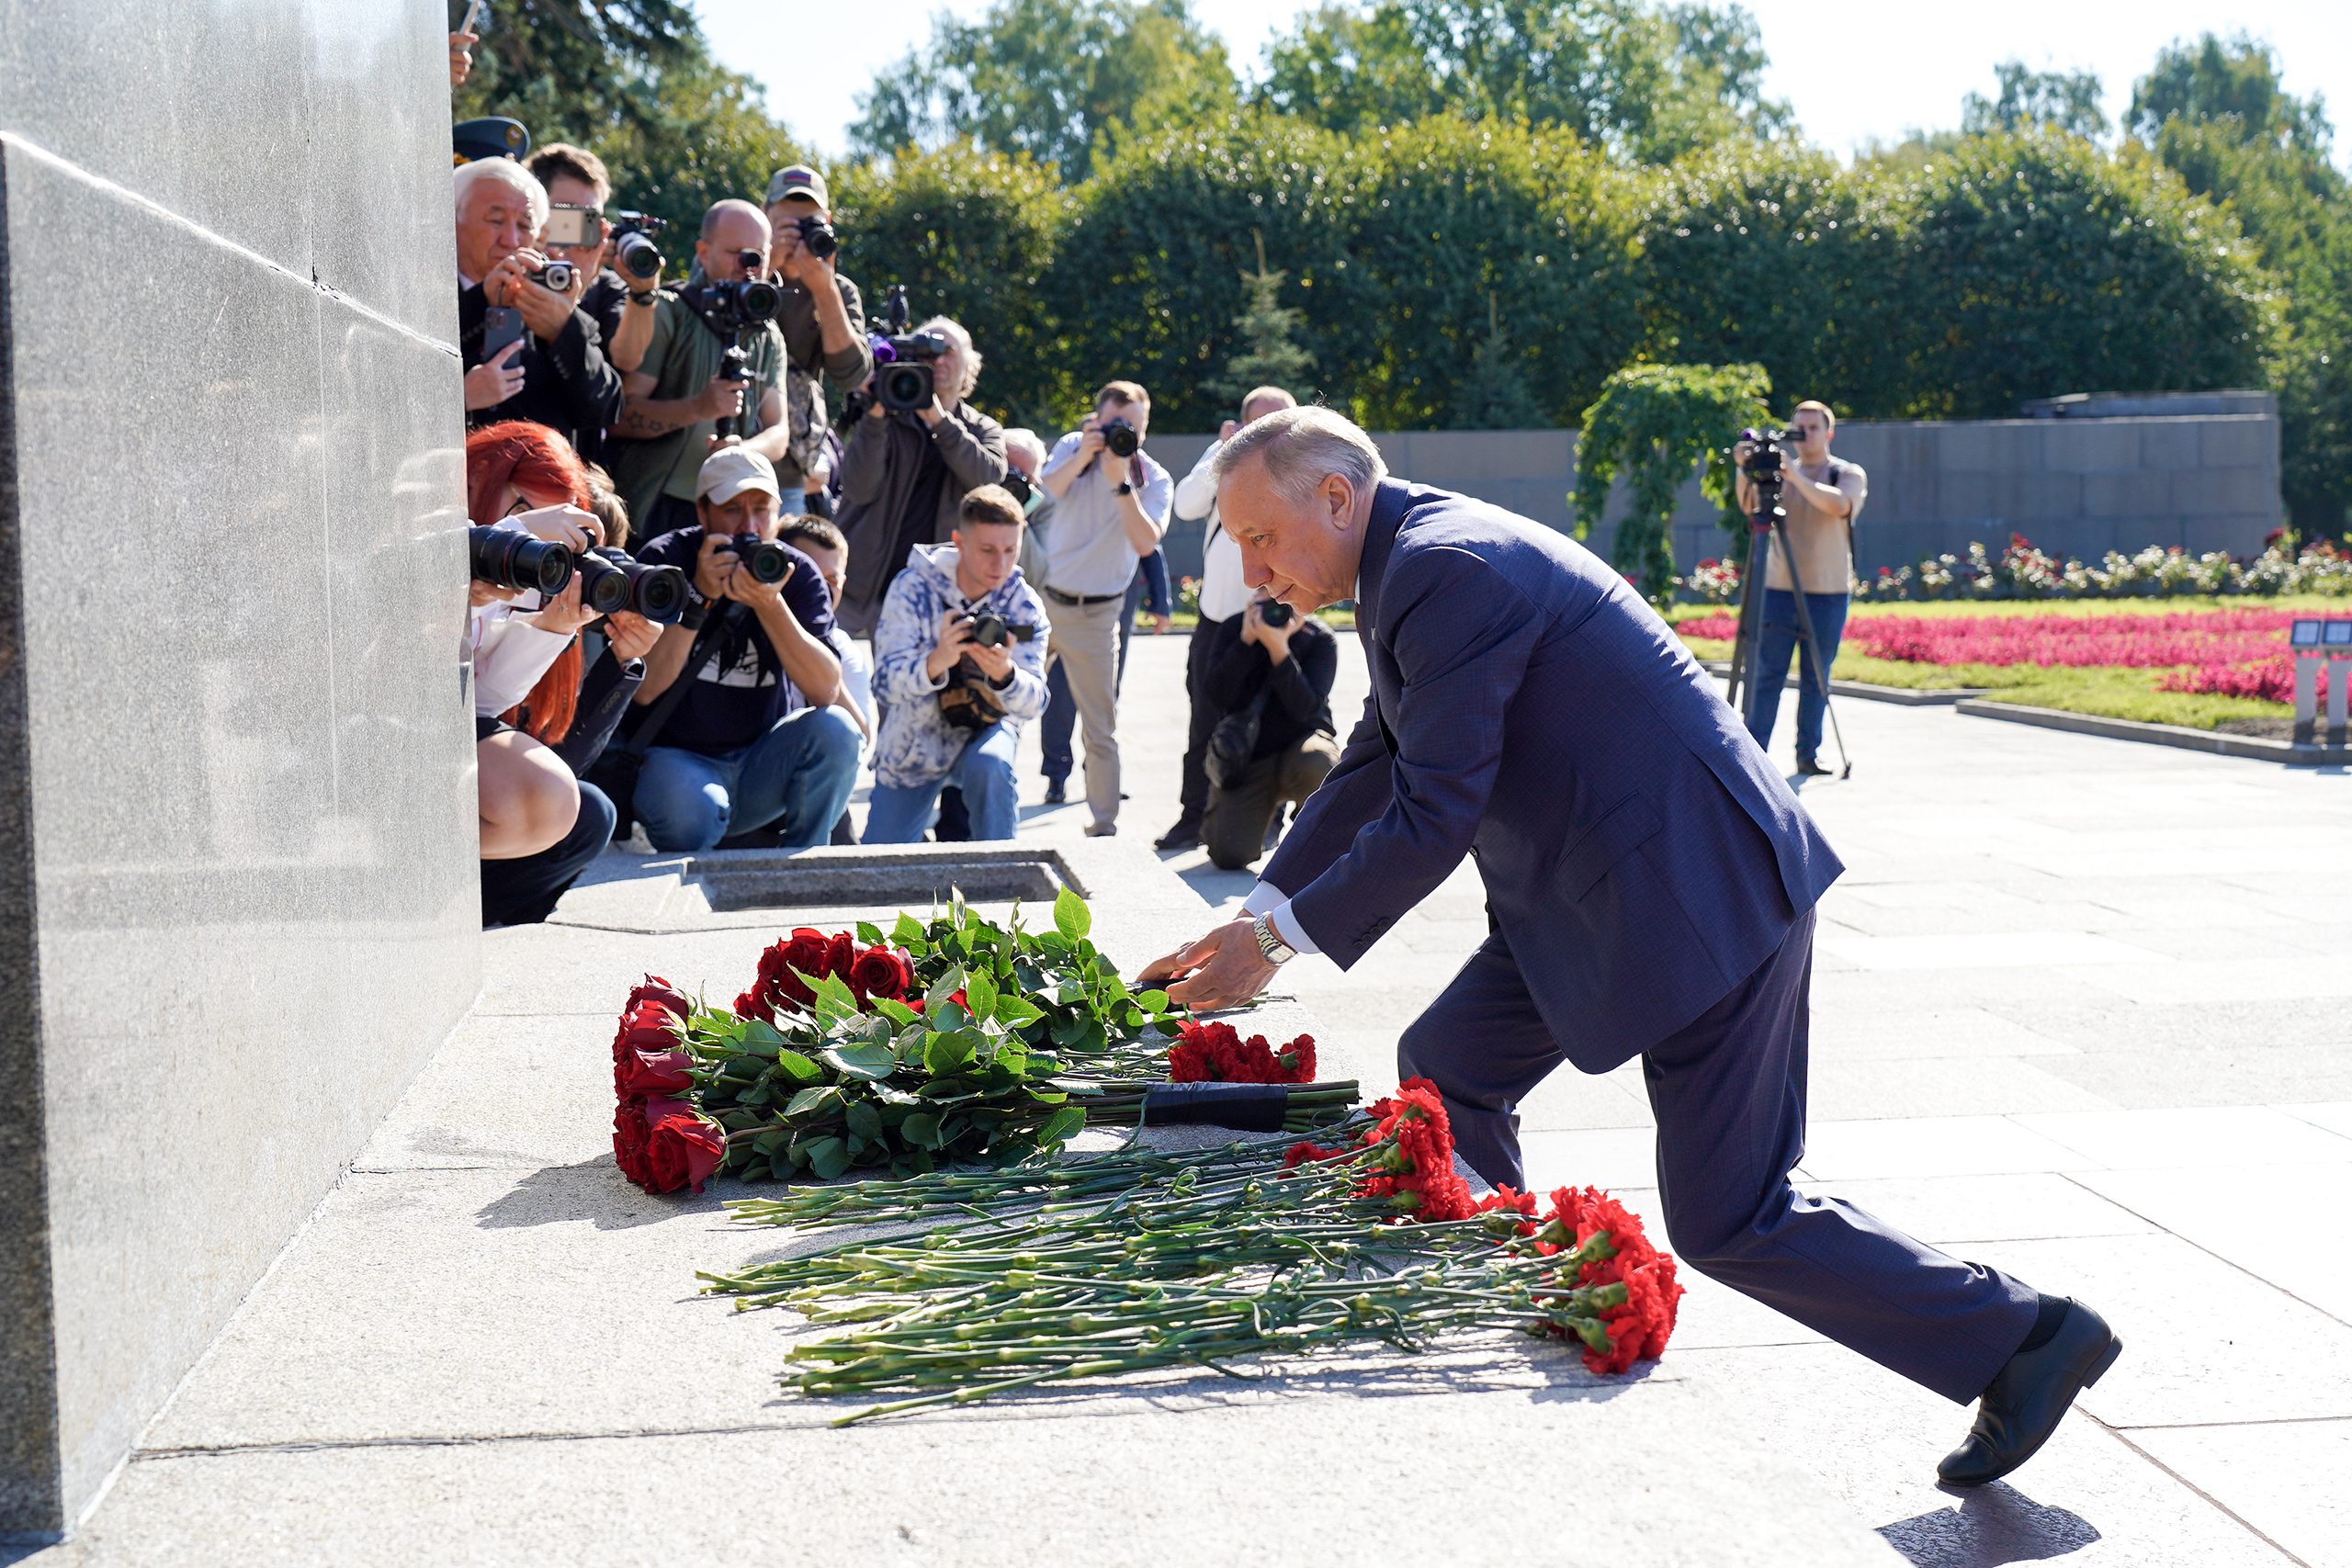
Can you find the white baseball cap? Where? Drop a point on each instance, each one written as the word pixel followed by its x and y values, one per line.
pixel 729 471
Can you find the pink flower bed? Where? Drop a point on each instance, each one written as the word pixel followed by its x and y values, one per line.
pixel 2231 653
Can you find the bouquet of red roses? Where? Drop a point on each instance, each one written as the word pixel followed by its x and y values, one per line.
pixel 791 963
pixel 659 1140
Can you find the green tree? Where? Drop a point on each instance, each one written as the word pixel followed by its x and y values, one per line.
pixel 1647 81
pixel 1498 396
pixel 2030 100
pixel 1270 354
pixel 633 82
pixel 2215 115
pixel 1651 425
pixel 1053 79
pixel 972 235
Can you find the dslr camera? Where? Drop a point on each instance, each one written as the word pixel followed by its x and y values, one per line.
pixel 1016 484
pixel 557 274
pixel 1274 613
pixel 509 557
pixel 764 558
pixel 993 630
pixel 611 579
pixel 903 380
pixel 816 236
pixel 1119 438
pixel 633 248
pixel 735 307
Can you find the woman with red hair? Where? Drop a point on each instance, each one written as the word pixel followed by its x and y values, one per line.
pixel 540 826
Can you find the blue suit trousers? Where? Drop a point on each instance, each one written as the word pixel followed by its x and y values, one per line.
pixel 1728 1091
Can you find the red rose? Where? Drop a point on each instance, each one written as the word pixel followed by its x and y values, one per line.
pixel 680 1148
pixel 878 972
pixel 778 986
pixel 629 1142
pixel 657 989
pixel 646 1027
pixel 653 1074
pixel 840 954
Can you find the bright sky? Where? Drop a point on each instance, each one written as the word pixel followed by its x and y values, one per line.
pixel 1851 72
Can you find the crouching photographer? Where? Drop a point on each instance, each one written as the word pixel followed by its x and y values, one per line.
pixel 1275 741
pixel 526 492
pixel 959 661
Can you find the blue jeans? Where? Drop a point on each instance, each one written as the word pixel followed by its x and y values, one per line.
pixel 801 771
pixel 899 814
pixel 1781 638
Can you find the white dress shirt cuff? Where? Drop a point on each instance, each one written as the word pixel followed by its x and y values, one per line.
pixel 1270 901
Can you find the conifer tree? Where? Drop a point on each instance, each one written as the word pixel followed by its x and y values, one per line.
pixel 1500 397
pixel 1269 357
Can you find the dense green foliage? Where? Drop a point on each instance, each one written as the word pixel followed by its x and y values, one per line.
pixel 2215 115
pixel 2032 100
pixel 1653 424
pixel 1650 82
pixel 1049 78
pixel 631 80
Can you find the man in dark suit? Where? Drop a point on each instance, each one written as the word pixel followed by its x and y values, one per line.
pixel 1651 884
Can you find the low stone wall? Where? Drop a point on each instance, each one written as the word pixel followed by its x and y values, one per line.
pixel 2075 486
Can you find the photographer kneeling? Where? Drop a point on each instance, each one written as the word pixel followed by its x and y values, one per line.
pixel 1275 741
pixel 754 736
pixel 959 663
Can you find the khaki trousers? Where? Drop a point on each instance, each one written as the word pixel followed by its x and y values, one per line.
pixel 1085 642
pixel 1235 826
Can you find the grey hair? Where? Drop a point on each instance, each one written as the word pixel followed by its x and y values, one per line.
pixel 1021 440
pixel 1301 446
pixel 510 174
pixel 954 329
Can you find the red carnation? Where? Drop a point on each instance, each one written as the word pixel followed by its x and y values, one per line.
pixel 878 972
pixel 680 1148
pixel 1640 1327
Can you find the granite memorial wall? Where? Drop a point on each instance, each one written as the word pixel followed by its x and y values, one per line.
pixel 237 893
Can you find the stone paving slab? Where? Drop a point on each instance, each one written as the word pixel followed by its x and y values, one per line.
pixel 2282 1481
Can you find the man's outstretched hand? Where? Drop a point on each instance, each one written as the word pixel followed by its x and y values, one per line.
pixel 1223 969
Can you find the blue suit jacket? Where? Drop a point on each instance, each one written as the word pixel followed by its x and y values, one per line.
pixel 1641 857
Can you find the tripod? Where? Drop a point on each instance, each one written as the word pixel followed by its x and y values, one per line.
pixel 1747 652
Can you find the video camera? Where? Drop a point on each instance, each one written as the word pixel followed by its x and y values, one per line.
pixel 1763 465
pixel 633 247
pixel 611 581
pixel 903 380
pixel 509 557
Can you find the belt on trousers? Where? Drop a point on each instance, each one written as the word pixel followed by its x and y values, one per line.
pixel 1080 601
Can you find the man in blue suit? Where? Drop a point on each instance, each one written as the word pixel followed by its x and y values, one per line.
pixel 1651 885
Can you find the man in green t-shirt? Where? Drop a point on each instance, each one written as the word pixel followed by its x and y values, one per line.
pixel 677 395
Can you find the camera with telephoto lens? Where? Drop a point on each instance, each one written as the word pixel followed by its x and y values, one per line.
pixel 734 306
pixel 1119 438
pixel 633 247
pixel 993 630
pixel 555 275
pixel 816 236
pixel 1274 613
pixel 611 579
pixel 764 558
pixel 509 557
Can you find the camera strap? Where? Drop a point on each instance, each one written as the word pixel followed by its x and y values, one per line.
pixel 699 658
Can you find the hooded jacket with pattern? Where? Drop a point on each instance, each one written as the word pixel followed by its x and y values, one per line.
pixel 917 744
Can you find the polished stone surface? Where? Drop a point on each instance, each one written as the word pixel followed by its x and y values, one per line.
pixel 235 611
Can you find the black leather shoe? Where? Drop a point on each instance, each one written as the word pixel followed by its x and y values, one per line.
pixel 1056 794
pixel 2022 1404
pixel 1185 835
pixel 1810 767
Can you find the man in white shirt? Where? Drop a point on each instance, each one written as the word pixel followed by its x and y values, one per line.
pixel 1110 509
pixel 1224 596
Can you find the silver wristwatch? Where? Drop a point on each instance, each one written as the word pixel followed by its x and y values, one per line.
pixel 1270 946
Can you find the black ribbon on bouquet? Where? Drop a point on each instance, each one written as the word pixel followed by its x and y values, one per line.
pixel 1245 1107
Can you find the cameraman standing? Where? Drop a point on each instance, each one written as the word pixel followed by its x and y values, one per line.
pixel 1110 510
pixel 822 319
pixel 678 391
pixel 555 374
pixel 904 476
pixel 577 180
pixel 1823 496
pixel 959 663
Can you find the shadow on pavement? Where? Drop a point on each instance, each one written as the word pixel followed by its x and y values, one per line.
pixel 1993 1525
pixel 594 1190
